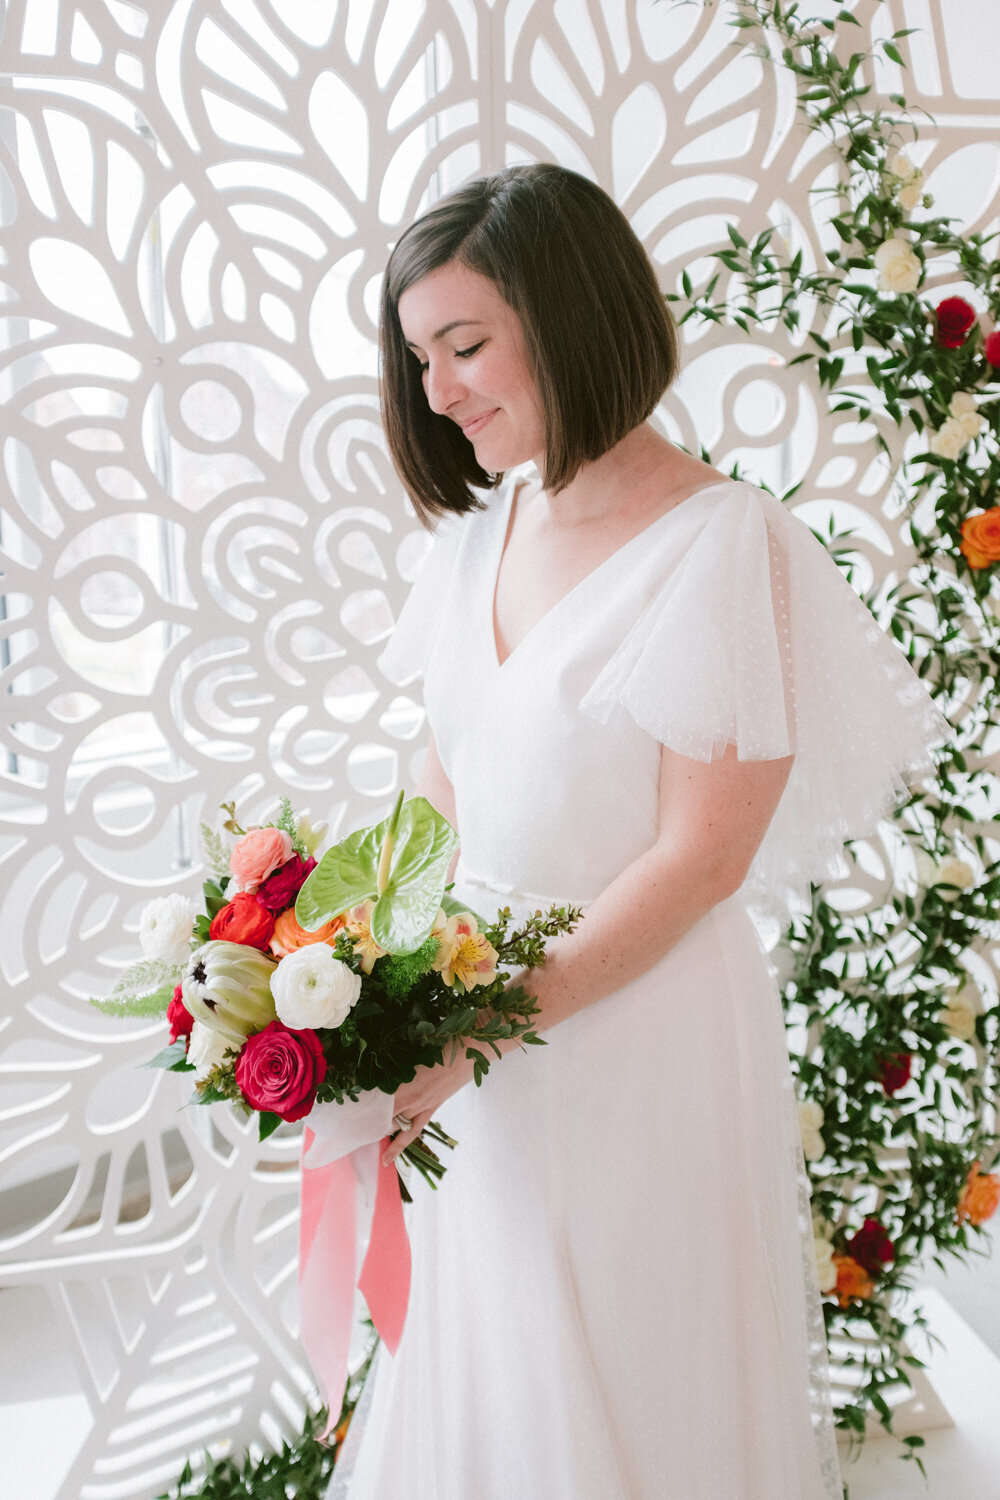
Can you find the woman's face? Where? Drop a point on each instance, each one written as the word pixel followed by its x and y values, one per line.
pixel 471 349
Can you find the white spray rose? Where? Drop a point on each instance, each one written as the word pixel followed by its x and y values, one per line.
pixel 963 408
pixel 311 988
pixel 900 165
pixel 825 1268
pixel 207 1048
pixel 897 266
pixel 165 928
pixel 959 1015
pixel 954 872
pixel 950 438
pixel 810 1124
pixel 911 195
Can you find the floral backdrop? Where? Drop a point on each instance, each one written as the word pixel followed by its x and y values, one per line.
pixel 203 548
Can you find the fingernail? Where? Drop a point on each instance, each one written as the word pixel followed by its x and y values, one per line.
pixel 387 1161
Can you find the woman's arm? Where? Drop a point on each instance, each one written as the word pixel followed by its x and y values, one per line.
pixel 712 818
pixel 435 786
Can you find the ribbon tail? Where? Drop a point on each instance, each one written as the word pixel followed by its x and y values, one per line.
pixel 327 1258
pixel 385 1275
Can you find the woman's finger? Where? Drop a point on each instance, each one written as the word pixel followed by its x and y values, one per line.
pixel 405 1138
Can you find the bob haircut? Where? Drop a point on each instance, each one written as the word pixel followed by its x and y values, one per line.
pixel 598 332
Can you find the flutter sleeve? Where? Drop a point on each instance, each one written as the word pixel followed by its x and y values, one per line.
pixel 410 645
pixel 757 640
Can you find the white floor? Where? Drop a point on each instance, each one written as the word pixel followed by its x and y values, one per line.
pixel 44 1420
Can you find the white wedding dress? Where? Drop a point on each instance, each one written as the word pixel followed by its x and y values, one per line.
pixel 614 1291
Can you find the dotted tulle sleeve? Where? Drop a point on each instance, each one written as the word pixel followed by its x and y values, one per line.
pixel 757 640
pixel 412 640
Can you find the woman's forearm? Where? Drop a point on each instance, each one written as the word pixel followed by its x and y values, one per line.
pixel 633 923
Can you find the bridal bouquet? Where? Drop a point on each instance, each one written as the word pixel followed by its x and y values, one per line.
pixel 307 981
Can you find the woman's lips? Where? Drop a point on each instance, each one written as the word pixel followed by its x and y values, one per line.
pixel 479 422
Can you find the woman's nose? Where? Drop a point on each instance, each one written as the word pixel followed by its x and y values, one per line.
pixel 442 387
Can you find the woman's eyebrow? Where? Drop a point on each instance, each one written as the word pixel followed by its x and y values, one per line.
pixel 458 323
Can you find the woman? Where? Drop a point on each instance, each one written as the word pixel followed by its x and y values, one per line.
pixel 650 693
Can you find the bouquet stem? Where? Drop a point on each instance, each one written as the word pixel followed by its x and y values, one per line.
pixel 421 1155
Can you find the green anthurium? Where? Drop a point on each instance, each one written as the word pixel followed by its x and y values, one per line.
pixel 401 864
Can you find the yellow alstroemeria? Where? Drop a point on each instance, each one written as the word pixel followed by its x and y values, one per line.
pixel 464 953
pixel 357 922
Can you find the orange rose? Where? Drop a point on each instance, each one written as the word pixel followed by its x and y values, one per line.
pixel 980 544
pixel 852 1280
pixel 288 935
pixel 979 1197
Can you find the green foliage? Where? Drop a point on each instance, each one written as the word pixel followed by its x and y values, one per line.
pixel 301 1469
pixel 400 972
pixel 144 989
pixel 216 851
pixel 863 987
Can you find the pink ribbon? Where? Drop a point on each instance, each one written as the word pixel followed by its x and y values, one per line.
pixel 328 1251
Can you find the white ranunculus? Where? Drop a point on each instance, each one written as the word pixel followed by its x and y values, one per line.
pixel 825 1268
pixel 897 266
pixel 207 1048
pixel 311 988
pixel 165 928
pixel 950 438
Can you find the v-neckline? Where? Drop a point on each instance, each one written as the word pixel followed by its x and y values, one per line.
pixel 499 553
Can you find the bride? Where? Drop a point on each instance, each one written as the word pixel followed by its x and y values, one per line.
pixel 651 694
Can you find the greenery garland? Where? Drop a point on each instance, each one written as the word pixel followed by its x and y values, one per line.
pixel 898 1074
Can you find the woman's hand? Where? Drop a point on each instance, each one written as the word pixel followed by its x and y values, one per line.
pixel 419 1100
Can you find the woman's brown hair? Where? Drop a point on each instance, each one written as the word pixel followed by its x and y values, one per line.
pixel 597 329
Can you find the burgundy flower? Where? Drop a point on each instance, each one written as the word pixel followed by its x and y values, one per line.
pixel 244 920
pixel 991 347
pixel 280 889
pixel 871 1247
pixel 180 1018
pixel 896 1070
pixel 954 317
pixel 280 1070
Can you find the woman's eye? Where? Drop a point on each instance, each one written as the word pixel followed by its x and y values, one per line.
pixel 467 353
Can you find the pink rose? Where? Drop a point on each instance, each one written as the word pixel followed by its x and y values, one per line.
pixel 259 852
pixel 279 1070
pixel 280 889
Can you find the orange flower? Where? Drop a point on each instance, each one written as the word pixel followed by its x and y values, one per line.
pixel 852 1280
pixel 288 935
pixel 980 544
pixel 979 1197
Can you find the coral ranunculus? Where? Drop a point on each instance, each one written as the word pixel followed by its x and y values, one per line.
pixel 980 545
pixel 871 1247
pixel 244 920
pixel 852 1280
pixel 954 318
pixel 180 1018
pixel 895 1071
pixel 257 853
pixel 279 1070
pixel 283 885
pixel 979 1197
pixel 288 936
pixel 991 347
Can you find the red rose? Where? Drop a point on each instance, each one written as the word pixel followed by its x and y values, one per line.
pixel 871 1247
pixel 991 347
pixel 896 1071
pixel 180 1018
pixel 280 889
pixel 244 920
pixel 280 1070
pixel 954 317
